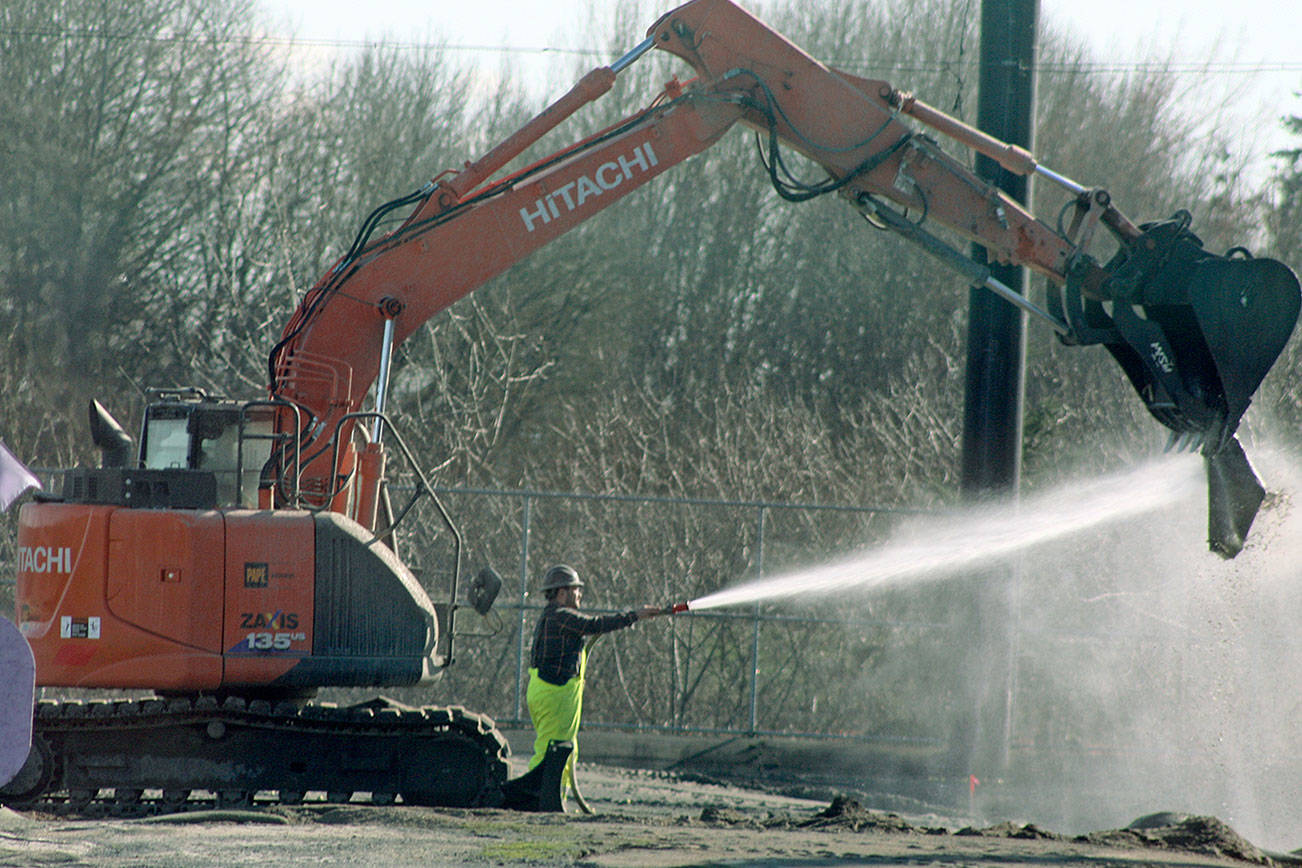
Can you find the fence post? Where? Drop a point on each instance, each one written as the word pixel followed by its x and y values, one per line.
pixel 526 514
pixel 755 630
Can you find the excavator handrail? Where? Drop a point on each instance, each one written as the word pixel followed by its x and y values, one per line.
pixel 278 439
pixel 422 488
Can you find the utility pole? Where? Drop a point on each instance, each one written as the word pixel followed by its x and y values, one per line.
pixel 992 420
pixel 995 381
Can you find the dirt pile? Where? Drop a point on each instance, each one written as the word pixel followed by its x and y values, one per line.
pixel 1021 832
pixel 1207 836
pixel 843 814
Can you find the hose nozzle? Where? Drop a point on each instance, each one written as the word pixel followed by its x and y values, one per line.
pixel 674 609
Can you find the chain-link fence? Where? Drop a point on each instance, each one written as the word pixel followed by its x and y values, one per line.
pixel 754 670
pixel 759 669
pixel 1087 653
pixel 1094 675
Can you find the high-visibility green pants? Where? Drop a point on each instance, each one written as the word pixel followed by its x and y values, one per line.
pixel 555 712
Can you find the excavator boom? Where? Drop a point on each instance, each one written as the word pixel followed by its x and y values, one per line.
pixel 1194 331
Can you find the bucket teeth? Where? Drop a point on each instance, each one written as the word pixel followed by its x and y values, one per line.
pixel 1234 494
pixel 1185 441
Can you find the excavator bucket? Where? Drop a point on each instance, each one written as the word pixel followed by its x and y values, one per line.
pixel 1234 495
pixel 1196 333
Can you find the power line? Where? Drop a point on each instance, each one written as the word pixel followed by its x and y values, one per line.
pixel 1201 67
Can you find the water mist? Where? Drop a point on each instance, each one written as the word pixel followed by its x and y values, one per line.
pixel 1139 672
pixel 936 548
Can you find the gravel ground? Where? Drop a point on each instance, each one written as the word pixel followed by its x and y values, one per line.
pixel 641 819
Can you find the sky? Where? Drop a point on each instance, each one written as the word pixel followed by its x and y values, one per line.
pixel 1255 45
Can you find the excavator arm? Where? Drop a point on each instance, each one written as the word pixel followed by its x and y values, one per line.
pixel 1195 332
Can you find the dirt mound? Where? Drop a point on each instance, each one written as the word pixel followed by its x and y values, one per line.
pixel 1206 836
pixel 847 813
pixel 1023 832
pixel 843 814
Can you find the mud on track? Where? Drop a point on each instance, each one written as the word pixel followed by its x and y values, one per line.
pixel 642 819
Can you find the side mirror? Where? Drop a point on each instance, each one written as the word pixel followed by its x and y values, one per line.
pixel 484 589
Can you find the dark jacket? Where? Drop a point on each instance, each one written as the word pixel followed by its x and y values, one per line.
pixel 558 639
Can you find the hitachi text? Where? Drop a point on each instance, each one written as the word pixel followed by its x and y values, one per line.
pixel 570 196
pixel 44 559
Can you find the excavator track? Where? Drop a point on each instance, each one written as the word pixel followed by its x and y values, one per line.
pixel 156 755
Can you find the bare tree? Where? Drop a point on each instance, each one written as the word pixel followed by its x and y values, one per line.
pixel 126 125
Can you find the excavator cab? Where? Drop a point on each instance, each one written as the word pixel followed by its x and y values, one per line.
pixel 196 452
pixel 229 439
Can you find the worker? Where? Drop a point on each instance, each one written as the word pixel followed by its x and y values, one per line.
pixel 558 661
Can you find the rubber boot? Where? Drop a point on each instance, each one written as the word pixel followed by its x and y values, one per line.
pixel 540 788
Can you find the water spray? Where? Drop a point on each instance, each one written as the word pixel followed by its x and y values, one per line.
pixel 947 545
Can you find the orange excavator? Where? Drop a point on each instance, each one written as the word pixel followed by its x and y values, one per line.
pixel 243 555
